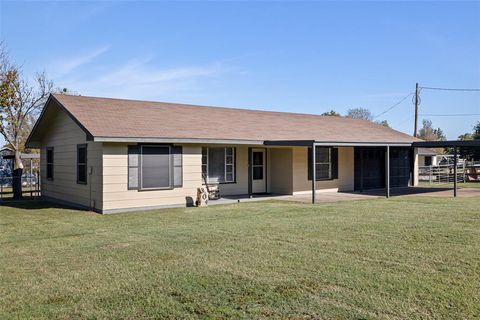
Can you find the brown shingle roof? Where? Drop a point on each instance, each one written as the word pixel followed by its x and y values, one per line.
pixel 118 118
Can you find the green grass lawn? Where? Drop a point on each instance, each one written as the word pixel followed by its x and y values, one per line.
pixel 400 258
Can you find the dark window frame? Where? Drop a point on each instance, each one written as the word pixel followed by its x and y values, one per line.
pixel 170 167
pixel 82 146
pixel 51 175
pixel 333 169
pixel 234 166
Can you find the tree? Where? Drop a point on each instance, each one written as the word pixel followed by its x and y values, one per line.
pixel 20 103
pixel 331 113
pixel 427 132
pixel 383 123
pixel 476 131
pixel 466 136
pixel 66 91
pixel 470 153
pixel 360 113
pixel 440 135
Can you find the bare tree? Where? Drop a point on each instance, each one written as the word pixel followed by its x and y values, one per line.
pixel 428 133
pixel 20 102
pixel 360 113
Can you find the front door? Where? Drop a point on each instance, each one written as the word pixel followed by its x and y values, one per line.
pixel 259 179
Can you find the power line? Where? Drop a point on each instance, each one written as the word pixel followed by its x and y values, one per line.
pixel 450 115
pixel 405 120
pixel 393 106
pixel 450 89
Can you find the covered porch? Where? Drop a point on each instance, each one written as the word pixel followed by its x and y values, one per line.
pixel 335 196
pixel 374 166
pixel 269 170
pixel 336 170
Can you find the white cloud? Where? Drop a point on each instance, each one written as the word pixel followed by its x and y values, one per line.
pixel 141 73
pixel 140 79
pixel 64 66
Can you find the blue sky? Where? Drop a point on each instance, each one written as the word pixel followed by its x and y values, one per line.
pixel 306 57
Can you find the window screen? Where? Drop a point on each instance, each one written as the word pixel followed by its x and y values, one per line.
pixel 133 165
pixel 155 167
pixel 218 164
pixel 204 162
pixel 50 163
pixel 82 163
pixel 177 166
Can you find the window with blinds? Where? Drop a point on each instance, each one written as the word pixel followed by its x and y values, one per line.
pixel 152 167
pixel 218 164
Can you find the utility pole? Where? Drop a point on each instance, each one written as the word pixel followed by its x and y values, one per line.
pixel 416 111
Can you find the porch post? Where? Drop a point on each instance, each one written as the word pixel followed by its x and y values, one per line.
pixel 387 172
pixel 455 172
pixel 250 172
pixel 314 178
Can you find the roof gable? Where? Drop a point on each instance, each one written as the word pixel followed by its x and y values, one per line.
pixel 51 108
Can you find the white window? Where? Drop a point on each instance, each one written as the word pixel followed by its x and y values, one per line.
pixel 218 164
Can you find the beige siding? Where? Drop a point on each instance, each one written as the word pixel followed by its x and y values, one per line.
pixel 345 181
pixel 115 178
pixel 281 171
pixel 286 173
pixel 64 135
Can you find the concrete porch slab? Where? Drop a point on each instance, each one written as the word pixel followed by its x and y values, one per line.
pixel 333 196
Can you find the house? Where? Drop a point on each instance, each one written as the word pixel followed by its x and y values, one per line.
pixel 427 157
pixel 114 155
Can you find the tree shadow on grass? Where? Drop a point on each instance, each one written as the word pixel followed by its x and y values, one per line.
pixel 28 203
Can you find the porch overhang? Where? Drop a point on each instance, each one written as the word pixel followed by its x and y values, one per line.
pixel 309 143
pixel 447 144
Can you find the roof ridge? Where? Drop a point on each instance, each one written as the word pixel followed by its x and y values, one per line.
pixel 57 95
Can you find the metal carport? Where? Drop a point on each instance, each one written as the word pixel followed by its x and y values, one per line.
pixel 455 144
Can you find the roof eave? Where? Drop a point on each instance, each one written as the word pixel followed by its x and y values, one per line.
pixel 176 140
pixel 294 143
pixel 290 143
